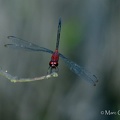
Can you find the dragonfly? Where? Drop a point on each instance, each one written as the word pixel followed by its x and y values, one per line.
pixel 53 64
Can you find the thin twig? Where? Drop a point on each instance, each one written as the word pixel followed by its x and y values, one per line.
pixel 16 79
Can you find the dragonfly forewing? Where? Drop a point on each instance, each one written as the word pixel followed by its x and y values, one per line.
pixel 80 71
pixel 22 44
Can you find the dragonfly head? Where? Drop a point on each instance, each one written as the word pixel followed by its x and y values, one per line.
pixel 53 64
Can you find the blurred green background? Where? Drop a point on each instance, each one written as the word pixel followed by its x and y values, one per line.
pixel 90 36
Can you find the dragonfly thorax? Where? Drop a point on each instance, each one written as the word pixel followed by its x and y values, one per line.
pixel 55 56
pixel 54 59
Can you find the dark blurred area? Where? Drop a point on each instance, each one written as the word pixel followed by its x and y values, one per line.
pixel 90 37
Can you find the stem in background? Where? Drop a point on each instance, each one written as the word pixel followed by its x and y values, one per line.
pixel 16 79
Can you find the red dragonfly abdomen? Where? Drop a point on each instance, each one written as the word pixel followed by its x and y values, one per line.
pixel 54 59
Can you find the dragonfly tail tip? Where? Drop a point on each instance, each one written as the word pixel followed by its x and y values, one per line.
pixel 60 20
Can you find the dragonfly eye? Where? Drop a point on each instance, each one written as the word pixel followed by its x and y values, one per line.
pixel 53 64
pixel 56 64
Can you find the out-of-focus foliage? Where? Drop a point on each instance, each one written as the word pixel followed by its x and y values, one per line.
pixel 72 34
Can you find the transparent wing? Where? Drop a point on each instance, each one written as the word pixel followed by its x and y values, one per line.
pixel 80 71
pixel 22 44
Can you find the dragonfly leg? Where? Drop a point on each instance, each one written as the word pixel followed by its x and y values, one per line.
pixel 57 69
pixel 49 70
